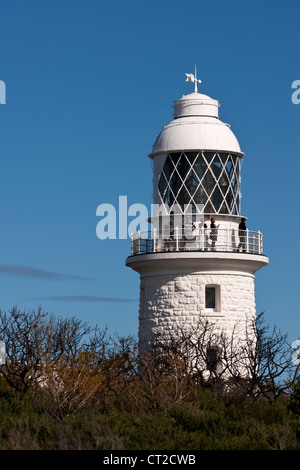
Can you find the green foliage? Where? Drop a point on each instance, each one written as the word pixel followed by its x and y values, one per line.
pixel 207 422
pixel 99 394
pixel 295 398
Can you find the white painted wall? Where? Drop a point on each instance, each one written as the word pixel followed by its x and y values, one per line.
pixel 168 301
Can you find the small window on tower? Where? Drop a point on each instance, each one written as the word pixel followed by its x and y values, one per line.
pixel 212 298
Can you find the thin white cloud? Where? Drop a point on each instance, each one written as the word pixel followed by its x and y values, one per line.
pixel 27 271
pixel 85 298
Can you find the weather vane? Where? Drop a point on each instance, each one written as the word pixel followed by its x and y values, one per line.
pixel 193 78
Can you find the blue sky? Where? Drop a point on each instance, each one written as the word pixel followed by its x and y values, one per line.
pixel 89 85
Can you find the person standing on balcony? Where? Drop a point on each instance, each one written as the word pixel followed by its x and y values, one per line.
pixel 206 244
pixel 242 234
pixel 213 233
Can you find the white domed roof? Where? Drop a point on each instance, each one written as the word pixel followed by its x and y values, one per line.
pixel 196 126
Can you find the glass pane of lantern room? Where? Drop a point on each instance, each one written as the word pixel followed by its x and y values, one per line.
pixel 200 166
pixel 216 166
pixel 209 156
pixel 175 182
pixel 229 168
pixel 237 168
pixel 169 197
pixel 217 199
pixel 191 182
pixel 183 167
pixel 208 182
pixel 162 184
pixel 223 183
pixel 200 196
pixel 168 167
pixel 191 156
pixel 183 197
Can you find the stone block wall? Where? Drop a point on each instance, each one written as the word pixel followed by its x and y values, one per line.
pixel 168 302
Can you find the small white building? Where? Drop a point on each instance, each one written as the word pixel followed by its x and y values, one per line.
pixel 206 271
pixel 2 353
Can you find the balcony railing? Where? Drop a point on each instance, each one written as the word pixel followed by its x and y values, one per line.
pixel 226 240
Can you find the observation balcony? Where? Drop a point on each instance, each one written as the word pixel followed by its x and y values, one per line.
pixel 226 240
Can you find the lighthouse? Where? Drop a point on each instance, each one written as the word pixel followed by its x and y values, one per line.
pixel 200 257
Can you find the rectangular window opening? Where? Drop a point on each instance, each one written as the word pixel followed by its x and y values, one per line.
pixel 210 297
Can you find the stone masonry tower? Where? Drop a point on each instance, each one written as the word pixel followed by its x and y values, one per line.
pixel 200 267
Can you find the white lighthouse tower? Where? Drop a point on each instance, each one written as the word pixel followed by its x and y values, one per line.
pixel 209 270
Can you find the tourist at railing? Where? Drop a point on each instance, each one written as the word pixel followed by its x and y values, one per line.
pixel 206 244
pixel 242 234
pixel 213 233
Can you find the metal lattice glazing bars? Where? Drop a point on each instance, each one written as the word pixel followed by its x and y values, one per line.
pixel 207 178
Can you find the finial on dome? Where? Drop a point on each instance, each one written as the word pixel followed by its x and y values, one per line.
pixel 193 78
